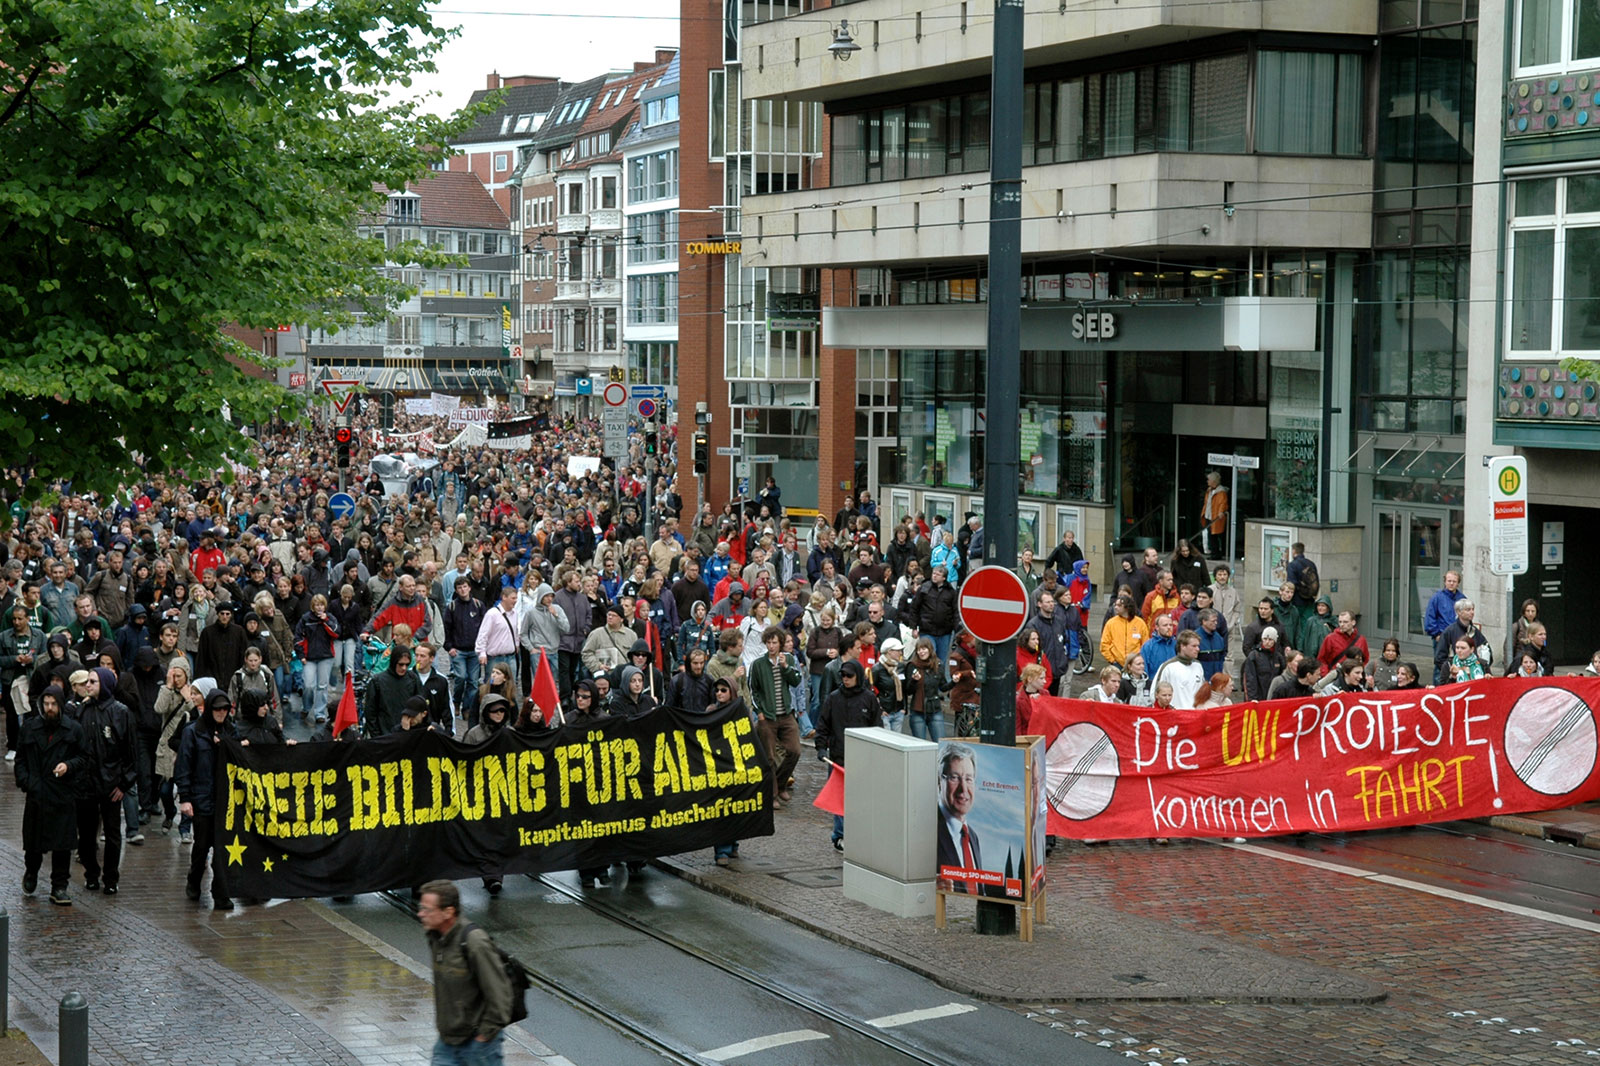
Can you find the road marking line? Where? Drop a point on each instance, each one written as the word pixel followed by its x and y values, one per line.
pixel 891 1021
pixel 988 603
pixel 762 1043
pixel 1419 886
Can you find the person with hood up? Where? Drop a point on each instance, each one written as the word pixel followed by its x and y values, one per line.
pixel 544 623
pixel 55 667
pixel 134 634
pixel 52 760
pixel 853 705
pixel 388 692
pixel 255 724
pixel 586 706
pixel 697 632
pixel 729 611
pixel 177 704
pixel 196 779
pixel 494 713
pixel 1317 627
pixel 111 738
pixel 88 647
pixel 630 700
pixel 221 645
pixel 147 676
pixel 21 649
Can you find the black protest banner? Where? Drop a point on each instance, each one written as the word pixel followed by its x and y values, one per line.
pixel 514 434
pixel 341 818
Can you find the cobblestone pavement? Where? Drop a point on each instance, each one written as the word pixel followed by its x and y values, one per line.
pixel 169 981
pixel 1204 954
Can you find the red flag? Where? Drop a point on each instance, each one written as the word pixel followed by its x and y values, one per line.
pixel 831 798
pixel 346 717
pixel 546 696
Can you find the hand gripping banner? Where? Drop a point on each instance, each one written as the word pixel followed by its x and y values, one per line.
pixel 1327 764
pixel 341 818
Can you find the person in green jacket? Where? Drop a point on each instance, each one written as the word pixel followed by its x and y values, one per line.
pixel 771 677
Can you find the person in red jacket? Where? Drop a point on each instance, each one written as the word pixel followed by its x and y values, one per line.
pixel 1339 643
pixel 206 557
pixel 408 607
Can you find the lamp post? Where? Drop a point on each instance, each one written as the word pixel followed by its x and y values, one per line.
pixel 1002 380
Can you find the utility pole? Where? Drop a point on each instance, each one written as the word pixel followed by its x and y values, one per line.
pixel 1002 381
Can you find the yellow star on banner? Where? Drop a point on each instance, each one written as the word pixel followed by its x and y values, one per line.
pixel 266 865
pixel 235 852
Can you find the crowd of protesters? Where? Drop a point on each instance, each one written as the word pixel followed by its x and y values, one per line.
pixel 144 628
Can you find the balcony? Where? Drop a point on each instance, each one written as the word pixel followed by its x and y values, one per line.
pixel 605 219
pixel 930 42
pixel 582 290
pixel 933 218
pixel 572 223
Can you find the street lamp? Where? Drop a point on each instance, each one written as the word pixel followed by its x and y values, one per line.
pixel 843 43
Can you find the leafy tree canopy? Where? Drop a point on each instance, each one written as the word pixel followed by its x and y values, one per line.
pixel 168 168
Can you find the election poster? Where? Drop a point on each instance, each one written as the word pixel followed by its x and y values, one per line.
pixel 983 820
pixel 342 818
pixel 1350 761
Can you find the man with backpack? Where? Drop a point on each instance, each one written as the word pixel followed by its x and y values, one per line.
pixel 1303 573
pixel 473 994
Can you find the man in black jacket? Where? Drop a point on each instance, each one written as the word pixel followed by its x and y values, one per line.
pixel 933 612
pixel 111 738
pixel 52 762
pixel 196 779
pixel 463 617
pixel 220 652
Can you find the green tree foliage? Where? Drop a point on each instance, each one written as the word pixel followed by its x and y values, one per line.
pixel 168 168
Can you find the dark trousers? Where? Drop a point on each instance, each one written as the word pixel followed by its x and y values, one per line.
pixel 781 736
pixel 205 842
pixel 101 814
pixel 13 721
pixel 567 663
pixel 149 791
pixel 60 866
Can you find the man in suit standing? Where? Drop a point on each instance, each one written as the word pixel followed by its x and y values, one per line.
pixel 958 843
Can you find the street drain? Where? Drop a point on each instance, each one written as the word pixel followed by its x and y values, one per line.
pixel 1131 978
pixel 814 878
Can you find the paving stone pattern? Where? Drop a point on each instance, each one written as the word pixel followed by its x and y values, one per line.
pixel 169 981
pixel 1209 955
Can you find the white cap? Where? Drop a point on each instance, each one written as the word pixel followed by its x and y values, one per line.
pixel 892 644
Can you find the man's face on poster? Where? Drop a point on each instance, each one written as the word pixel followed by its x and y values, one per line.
pixel 959 786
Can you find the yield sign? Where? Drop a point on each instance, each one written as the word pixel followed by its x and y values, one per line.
pixel 341 389
pixel 993 604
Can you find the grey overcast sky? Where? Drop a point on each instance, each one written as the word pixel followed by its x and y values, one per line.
pixel 570 39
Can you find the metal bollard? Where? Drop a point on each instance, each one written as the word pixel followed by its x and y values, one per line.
pixel 73 1023
pixel 5 972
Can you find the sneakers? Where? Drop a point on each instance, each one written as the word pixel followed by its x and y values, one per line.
pixel 185 836
pixel 137 838
pixel 110 889
pixel 30 882
pixel 222 904
pixel 60 898
pixel 493 885
pixel 838 844
pixel 91 884
pixel 166 825
pixel 724 860
pixel 11 756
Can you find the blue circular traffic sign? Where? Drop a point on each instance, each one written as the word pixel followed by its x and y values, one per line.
pixel 647 408
pixel 341 505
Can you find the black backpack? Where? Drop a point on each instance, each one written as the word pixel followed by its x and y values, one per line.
pixel 516 973
pixel 1308 586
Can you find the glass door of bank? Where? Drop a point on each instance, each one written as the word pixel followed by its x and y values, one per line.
pixel 1415 546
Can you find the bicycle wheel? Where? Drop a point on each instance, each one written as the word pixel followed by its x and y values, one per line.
pixel 1084 660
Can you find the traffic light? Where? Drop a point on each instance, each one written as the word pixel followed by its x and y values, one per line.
pixel 651 441
pixel 614 373
pixel 342 436
pixel 702 453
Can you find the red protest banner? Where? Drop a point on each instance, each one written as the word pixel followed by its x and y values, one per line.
pixel 1335 763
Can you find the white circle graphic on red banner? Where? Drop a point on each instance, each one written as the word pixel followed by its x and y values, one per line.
pixel 1081 771
pixel 1550 740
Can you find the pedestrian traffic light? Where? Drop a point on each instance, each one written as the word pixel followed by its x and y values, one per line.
pixel 614 373
pixel 651 440
pixel 702 453
pixel 342 436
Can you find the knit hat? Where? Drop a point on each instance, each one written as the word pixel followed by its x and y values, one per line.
pixel 1269 633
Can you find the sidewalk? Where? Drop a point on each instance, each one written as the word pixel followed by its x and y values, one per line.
pixel 1212 953
pixel 169 981
pixel 1579 826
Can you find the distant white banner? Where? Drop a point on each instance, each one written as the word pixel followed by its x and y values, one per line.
pixel 444 402
pixel 465 416
pixel 419 405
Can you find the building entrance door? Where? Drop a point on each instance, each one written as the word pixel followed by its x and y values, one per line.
pixel 1414 546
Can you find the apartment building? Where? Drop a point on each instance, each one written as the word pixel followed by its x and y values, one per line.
pixel 650 169
pixel 490 149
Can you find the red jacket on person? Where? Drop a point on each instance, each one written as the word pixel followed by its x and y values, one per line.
pixel 1335 646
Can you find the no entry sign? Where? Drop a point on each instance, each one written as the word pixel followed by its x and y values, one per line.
pixel 615 394
pixel 993 604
